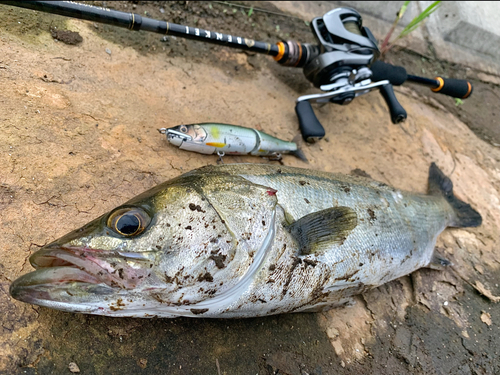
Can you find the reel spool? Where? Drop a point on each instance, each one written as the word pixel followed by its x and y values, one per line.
pixel 346 50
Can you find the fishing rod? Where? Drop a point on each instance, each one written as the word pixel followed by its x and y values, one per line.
pixel 289 53
pixel 343 64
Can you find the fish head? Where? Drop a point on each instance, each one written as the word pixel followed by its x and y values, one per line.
pixel 186 134
pixel 148 257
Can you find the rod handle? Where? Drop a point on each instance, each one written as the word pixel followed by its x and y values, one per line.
pixel 309 125
pixel 398 113
pixel 381 71
pixel 456 88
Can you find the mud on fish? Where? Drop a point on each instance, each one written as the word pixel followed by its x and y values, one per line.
pixel 243 240
pixel 209 138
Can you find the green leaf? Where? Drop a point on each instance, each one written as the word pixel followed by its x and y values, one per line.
pixel 418 19
pixel 250 12
pixel 458 102
pixel 402 10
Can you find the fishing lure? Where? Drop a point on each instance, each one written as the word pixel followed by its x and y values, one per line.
pixel 222 139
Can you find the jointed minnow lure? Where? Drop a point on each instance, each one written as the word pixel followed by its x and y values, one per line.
pixel 224 139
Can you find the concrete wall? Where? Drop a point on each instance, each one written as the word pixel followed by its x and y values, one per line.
pixel 470 24
pixel 474 25
pixel 465 32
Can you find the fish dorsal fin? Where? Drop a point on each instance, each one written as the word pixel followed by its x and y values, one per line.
pixel 320 230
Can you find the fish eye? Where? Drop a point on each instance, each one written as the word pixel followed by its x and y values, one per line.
pixel 183 129
pixel 129 222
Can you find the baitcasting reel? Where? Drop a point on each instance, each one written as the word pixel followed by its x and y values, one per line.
pixel 342 68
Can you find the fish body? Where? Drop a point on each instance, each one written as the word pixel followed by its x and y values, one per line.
pixel 209 138
pixel 243 240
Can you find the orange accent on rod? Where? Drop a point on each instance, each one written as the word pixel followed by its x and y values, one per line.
pixel 468 91
pixel 441 84
pixel 281 51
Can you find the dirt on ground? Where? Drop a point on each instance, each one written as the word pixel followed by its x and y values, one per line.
pixel 78 137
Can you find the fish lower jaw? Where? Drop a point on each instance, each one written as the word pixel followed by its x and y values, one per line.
pixel 60 286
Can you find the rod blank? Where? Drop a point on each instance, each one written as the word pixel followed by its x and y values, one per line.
pixel 136 22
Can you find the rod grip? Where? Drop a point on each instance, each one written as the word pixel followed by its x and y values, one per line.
pixel 456 88
pixel 396 75
pixel 398 113
pixel 309 125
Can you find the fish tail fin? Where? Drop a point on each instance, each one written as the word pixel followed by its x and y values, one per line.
pixel 464 214
pixel 298 152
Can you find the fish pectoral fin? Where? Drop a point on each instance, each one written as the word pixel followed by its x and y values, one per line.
pixel 438 263
pixel 321 230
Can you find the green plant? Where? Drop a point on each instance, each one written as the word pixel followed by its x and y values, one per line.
pixel 458 101
pixel 416 22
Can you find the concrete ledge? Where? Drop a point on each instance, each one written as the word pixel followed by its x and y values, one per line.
pixel 472 25
pixel 466 33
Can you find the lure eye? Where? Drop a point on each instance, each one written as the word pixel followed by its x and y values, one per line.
pixel 183 129
pixel 129 222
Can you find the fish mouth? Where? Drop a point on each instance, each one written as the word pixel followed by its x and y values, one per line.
pixel 69 275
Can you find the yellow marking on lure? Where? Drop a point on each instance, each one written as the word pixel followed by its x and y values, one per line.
pixel 215 144
pixel 215 132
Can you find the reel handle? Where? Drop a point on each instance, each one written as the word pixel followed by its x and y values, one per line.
pixel 398 113
pixel 309 125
